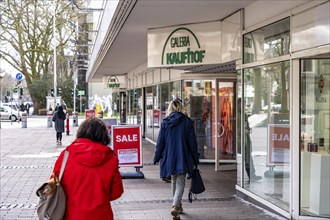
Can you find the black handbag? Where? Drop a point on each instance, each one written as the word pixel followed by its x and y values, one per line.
pixel 196 185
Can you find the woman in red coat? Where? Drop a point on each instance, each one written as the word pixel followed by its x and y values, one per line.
pixel 91 177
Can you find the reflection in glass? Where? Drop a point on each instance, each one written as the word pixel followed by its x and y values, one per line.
pixel 199 100
pixel 266 132
pixel 238 128
pixel 315 137
pixel 267 42
pixel 149 110
pixel 226 115
pixel 157 101
pixel 156 111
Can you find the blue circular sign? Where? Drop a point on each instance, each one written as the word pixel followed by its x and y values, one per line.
pixel 19 76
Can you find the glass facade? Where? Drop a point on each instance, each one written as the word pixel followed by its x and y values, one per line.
pixel 266 118
pixel 199 99
pixel 315 137
pixel 270 41
pixel 149 132
pixel 267 132
pixel 134 109
pixel 158 98
pixel 226 120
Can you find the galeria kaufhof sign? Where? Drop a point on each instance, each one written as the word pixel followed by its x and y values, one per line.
pixel 194 44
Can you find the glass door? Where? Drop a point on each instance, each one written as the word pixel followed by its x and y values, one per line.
pixel 225 122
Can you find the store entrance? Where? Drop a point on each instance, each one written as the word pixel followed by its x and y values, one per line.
pixel 225 141
pixel 211 104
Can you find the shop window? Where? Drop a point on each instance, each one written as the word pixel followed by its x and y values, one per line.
pixel 315 137
pixel 267 132
pixel 270 41
pixel 149 110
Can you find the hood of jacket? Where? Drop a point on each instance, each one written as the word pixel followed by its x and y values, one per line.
pixel 174 119
pixel 89 153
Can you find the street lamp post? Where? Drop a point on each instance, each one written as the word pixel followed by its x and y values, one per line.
pixel 54 45
pixel 2 75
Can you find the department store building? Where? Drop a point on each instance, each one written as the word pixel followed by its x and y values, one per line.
pixel 254 77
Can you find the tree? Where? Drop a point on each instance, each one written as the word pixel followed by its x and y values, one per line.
pixel 26 35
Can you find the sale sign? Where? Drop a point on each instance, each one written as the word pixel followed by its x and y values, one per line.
pixel 278 144
pixel 90 113
pixel 156 118
pixel 127 144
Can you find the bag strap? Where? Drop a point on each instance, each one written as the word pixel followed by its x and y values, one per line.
pixel 65 158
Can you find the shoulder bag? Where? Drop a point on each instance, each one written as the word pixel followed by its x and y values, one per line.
pixel 52 198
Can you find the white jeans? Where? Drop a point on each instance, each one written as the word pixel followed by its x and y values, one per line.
pixel 178 184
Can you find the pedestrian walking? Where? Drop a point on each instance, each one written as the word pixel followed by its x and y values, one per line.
pixel 176 152
pixel 91 178
pixel 59 118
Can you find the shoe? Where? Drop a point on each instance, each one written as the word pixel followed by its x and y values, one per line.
pixel 60 143
pixel 180 209
pixel 175 213
pixel 256 178
pixel 167 179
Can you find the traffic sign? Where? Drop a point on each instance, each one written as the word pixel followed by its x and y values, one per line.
pixel 19 76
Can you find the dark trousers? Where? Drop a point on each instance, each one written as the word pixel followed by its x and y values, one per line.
pixel 59 136
pixel 249 164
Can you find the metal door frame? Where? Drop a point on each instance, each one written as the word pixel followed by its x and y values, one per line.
pixel 217 149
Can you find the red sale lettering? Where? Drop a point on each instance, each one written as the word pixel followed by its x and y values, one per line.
pixel 127 138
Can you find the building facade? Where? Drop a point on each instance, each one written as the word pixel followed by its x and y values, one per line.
pixel 256 83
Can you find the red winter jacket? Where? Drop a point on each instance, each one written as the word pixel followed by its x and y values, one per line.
pixel 91 180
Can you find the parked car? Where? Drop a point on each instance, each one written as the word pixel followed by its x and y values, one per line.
pixel 7 113
pixel 10 105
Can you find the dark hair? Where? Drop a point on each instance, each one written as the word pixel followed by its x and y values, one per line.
pixel 61 113
pixel 94 129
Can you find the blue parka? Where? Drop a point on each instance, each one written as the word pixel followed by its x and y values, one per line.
pixel 176 148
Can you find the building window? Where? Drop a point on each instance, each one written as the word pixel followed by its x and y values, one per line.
pixel 267 132
pixel 315 137
pixel 270 41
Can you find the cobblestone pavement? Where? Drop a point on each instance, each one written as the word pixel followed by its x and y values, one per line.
pixel 28 155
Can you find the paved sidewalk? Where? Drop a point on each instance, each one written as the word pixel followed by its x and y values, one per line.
pixel 28 154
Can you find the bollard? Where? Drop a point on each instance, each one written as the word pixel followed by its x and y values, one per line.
pixel 49 119
pixel 24 120
pixel 67 124
pixel 75 119
pixel 100 114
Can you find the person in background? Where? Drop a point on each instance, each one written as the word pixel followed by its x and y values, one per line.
pixel 176 151
pixel 91 178
pixel 249 163
pixel 27 107
pixel 56 107
pixel 59 119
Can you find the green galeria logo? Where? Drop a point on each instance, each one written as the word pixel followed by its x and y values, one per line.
pixel 187 56
pixel 113 82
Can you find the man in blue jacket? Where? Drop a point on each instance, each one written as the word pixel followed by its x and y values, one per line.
pixel 176 151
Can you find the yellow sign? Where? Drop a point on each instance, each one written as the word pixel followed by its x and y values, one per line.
pixel 98 107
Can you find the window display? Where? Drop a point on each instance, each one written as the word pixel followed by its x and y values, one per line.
pixel 315 137
pixel 267 132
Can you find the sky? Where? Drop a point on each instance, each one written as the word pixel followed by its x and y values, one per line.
pixel 8 68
